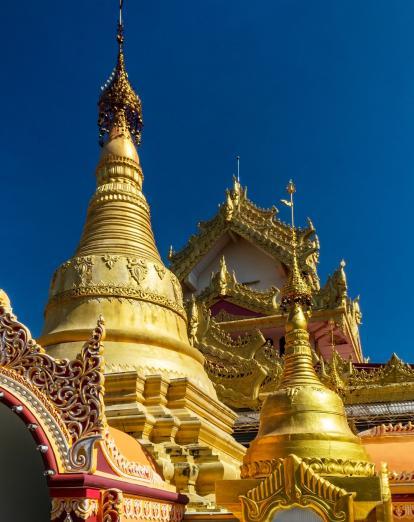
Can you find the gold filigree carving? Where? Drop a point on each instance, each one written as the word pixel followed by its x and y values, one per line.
pixel 223 283
pixel 83 508
pixel 259 226
pixel 117 291
pixel 119 104
pixel 293 482
pixel 110 260
pixel 193 322
pixel 161 271
pixel 403 510
pixel 139 509
pixel 125 466
pixel 137 268
pixel 73 387
pixel 112 505
pixel 322 466
pixel 83 266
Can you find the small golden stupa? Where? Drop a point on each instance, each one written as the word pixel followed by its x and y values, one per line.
pixel 305 454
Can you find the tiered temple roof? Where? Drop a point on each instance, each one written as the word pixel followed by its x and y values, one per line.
pixel 239 215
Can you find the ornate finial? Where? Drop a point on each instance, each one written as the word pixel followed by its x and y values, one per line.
pixel 295 290
pixel 118 96
pixel 120 34
pixel 4 300
pixel 223 276
pixel 193 321
pixel 238 168
pixel 171 252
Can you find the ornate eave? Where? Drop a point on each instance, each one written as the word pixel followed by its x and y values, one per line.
pixel 259 226
pixel 61 401
pixel 246 368
pixel 223 284
pixel 295 483
pixel 330 303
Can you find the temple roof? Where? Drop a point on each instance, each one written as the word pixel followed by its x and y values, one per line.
pixel 262 227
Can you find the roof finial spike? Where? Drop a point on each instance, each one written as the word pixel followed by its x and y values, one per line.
pixel 120 31
pixel 118 95
pixel 296 290
pixel 238 168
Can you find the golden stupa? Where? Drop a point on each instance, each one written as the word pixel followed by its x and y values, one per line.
pixel 305 454
pixel 116 269
pixel 157 387
pixel 303 416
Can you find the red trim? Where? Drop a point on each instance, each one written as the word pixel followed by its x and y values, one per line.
pixel 402 497
pixel 232 308
pixel 75 493
pixel 28 417
pixel 81 480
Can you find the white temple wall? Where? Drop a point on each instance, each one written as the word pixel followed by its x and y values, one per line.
pixel 250 264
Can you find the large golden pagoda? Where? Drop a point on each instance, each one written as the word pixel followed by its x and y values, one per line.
pixel 158 390
pixel 116 269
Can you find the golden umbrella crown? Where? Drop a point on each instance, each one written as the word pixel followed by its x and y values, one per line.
pixel 117 97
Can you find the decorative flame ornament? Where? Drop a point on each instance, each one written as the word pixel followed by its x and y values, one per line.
pixel 118 96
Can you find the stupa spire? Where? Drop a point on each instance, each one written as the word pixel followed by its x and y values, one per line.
pixel 118 99
pixel 295 290
pixel 118 220
pixel 302 416
pixel 296 298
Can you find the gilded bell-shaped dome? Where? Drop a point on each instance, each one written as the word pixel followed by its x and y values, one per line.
pixel 117 270
pixel 303 416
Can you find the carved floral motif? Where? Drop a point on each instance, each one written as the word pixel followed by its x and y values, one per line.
pixel 73 387
pixel 403 510
pixel 83 267
pixel 161 271
pixel 324 466
pixel 138 509
pixel 137 268
pixel 117 290
pixel 109 260
pixel 81 507
pixel 112 505
pixel 293 482
pixel 132 469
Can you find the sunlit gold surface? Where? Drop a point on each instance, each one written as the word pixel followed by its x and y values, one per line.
pixel 303 416
pixel 240 215
pixel 305 454
pixel 157 388
pixel 117 271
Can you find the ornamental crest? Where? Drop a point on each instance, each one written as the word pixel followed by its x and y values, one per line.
pixel 160 271
pixel 83 267
pixel 294 483
pixel 109 260
pixel 137 268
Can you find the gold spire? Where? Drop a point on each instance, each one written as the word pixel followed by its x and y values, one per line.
pixel 303 416
pixel 118 95
pixel 118 219
pixel 117 269
pixel 295 290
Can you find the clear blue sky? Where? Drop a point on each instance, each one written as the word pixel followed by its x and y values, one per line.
pixel 321 91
